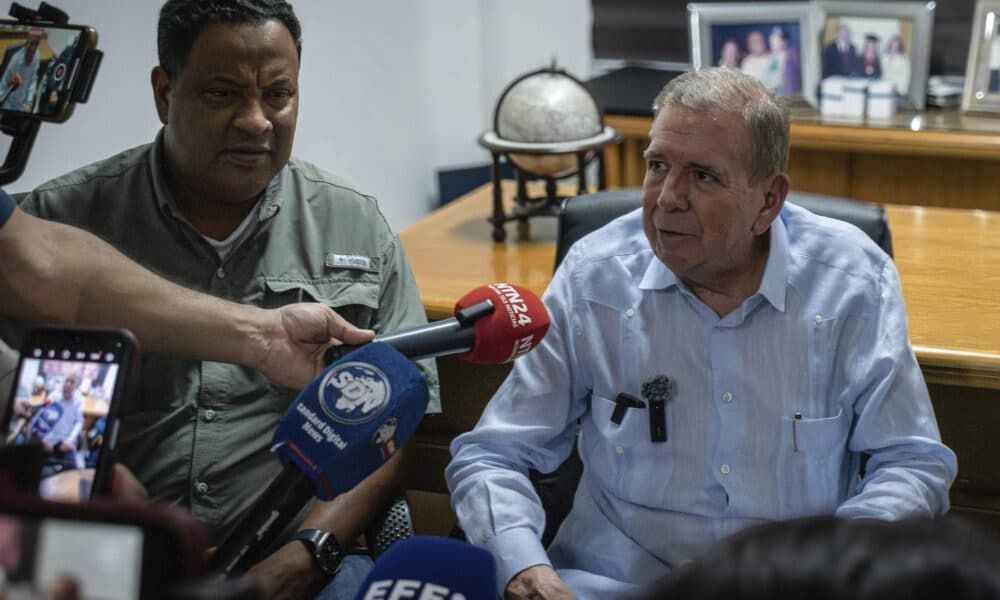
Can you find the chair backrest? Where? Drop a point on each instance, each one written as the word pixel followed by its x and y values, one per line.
pixel 581 215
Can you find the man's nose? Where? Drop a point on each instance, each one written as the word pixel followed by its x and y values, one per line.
pixel 252 118
pixel 674 191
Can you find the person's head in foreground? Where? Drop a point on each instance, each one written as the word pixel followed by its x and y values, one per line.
pixel 826 558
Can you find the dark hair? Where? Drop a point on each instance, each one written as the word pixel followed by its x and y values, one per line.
pixel 825 558
pixel 182 20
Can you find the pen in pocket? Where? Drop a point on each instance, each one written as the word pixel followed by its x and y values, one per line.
pixel 795 439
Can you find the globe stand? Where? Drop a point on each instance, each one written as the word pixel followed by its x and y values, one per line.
pixel 527 206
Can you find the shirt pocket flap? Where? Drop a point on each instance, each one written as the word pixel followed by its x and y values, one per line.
pixel 330 293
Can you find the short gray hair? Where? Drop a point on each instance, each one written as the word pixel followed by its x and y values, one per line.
pixel 717 89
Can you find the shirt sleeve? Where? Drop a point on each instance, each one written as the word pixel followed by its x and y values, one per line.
pixel 7 206
pixel 400 307
pixel 910 471
pixel 530 423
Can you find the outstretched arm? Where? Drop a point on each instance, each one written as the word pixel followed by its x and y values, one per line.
pixel 53 272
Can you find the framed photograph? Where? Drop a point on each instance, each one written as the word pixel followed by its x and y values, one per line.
pixel 774 42
pixel 879 40
pixel 982 71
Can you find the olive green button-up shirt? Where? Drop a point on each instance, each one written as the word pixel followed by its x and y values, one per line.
pixel 199 432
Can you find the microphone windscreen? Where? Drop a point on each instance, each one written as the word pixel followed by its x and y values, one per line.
pixel 517 324
pixel 352 418
pixel 431 567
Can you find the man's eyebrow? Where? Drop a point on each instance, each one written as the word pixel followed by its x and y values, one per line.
pixel 709 168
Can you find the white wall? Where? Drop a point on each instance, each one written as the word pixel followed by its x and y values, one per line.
pixel 391 90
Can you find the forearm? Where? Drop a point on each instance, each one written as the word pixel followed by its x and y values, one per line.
pixel 292 571
pixel 57 273
pixel 903 482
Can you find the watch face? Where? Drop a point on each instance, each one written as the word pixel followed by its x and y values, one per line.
pixel 324 547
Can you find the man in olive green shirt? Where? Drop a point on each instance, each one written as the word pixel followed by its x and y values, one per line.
pixel 216 204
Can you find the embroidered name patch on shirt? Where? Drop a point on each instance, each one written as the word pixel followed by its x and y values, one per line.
pixel 350 261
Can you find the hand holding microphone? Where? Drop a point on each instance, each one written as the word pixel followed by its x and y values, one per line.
pixel 367 404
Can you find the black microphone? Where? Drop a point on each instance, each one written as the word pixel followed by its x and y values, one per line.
pixel 440 338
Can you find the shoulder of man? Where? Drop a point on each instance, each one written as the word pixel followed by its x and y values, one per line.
pixel 331 195
pixel 81 189
pixel 819 241
pixel 623 236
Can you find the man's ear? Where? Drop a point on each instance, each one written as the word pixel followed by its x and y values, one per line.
pixel 775 190
pixel 161 92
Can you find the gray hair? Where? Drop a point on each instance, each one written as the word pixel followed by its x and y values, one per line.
pixel 715 89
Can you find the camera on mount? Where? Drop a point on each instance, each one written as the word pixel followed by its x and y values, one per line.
pixel 47 67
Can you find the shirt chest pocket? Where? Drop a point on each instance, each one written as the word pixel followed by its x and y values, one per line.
pixel 812 464
pixel 355 300
pixel 621 456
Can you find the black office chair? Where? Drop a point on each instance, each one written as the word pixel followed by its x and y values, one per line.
pixel 583 214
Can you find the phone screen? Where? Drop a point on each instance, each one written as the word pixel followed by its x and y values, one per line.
pixel 60 558
pixel 65 400
pixel 39 67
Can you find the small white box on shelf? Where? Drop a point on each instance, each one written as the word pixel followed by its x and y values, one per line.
pixel 831 96
pixel 855 97
pixel 881 99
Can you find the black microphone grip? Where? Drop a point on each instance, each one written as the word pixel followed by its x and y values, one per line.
pixel 439 338
pixel 268 518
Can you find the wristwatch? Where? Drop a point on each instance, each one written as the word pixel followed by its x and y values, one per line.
pixel 324 548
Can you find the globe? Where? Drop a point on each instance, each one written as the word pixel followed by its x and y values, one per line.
pixel 544 108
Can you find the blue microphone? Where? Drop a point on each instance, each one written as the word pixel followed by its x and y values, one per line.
pixel 341 428
pixel 431 567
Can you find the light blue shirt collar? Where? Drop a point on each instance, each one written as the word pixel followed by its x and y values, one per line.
pixel 772 286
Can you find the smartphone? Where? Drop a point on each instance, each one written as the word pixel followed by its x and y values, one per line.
pixel 102 549
pixel 40 67
pixel 67 391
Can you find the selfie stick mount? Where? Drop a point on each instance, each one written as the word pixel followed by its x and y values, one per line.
pixel 24 128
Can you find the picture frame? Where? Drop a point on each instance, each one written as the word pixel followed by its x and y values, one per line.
pixel 884 40
pixel 773 41
pixel 982 70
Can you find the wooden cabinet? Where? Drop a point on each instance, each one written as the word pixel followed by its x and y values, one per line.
pixel 936 158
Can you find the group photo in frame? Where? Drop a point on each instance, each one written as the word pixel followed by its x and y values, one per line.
pixel 982 71
pixel 776 43
pixel 887 41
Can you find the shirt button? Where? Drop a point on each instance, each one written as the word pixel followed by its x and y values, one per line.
pixel 728 396
pixel 220 273
pixel 619 450
pixel 209 415
pixel 629 313
pixel 201 487
pixel 819 319
pixel 724 469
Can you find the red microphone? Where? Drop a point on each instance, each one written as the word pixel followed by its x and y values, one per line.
pixel 493 324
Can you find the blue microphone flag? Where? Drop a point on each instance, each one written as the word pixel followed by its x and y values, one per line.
pixel 431 567
pixel 352 418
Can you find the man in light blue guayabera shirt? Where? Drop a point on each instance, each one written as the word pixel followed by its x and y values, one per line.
pixel 729 358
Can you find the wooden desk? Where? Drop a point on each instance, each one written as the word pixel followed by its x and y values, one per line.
pixel 940 157
pixel 947 261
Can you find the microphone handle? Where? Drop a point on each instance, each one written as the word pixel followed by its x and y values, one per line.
pixel 259 528
pixel 440 338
